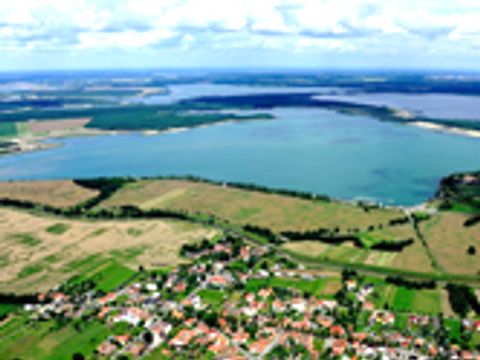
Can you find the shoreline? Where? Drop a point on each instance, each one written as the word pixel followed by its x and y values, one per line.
pixel 33 143
pixel 445 129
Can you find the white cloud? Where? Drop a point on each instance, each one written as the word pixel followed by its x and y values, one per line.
pixel 366 26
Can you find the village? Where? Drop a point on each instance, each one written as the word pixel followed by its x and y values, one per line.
pixel 225 304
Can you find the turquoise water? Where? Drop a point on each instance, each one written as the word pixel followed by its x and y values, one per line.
pixel 305 149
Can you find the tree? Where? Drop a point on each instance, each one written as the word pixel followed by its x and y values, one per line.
pixel 148 337
pixel 78 356
pixel 471 250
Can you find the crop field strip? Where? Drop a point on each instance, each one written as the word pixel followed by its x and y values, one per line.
pixel 58 193
pixel 240 206
pixel 37 255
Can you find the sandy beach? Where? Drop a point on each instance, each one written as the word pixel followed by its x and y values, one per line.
pixel 448 129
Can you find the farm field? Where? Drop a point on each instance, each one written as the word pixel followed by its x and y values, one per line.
pixel 280 213
pixel 401 299
pixel 449 240
pixel 43 339
pixel 40 252
pixel 53 127
pixel 412 258
pixel 419 301
pixel 322 287
pixel 58 193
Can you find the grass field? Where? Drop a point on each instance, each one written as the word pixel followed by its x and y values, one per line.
pixel 34 259
pixel 241 206
pixel 212 297
pixel 401 299
pixel 449 240
pixel 59 193
pixel 108 276
pixel 7 308
pixel 45 341
pixel 322 287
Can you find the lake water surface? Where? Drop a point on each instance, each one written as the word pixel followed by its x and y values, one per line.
pixel 304 149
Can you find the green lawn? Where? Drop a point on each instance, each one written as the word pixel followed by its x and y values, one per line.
pixel 313 287
pixel 45 341
pixel 404 299
pixel 417 301
pixel 401 321
pixel 453 326
pixel 6 309
pixel 211 297
pixel 112 276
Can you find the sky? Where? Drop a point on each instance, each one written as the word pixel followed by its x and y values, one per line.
pixel 351 34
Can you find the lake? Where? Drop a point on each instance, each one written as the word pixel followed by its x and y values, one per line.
pixel 347 157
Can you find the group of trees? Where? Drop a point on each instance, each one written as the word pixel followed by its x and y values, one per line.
pixel 471 221
pixel 462 299
pixel 410 284
pixel 10 298
pixel 266 233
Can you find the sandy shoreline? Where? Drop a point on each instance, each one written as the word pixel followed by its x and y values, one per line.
pixel 447 129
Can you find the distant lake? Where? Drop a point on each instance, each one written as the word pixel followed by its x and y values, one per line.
pixel 186 91
pixel 305 149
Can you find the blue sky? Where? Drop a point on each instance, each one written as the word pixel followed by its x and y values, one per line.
pixel 92 34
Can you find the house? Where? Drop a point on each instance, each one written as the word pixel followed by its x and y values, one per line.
pixel 132 315
pixel 263 274
pixel 337 331
pixel 252 309
pixel 339 347
pixel 250 297
pixel 107 298
pixel 151 287
pixel 103 312
pixel 259 346
pixel 160 328
pixel 368 306
pixel 476 325
pixel 299 305
pixel 183 338
pixel 122 339
pixel 265 293
pixel 382 317
pixel 351 284
pixel 278 306
pixel 59 297
pixel 220 344
pixel 326 305
pixel 325 321
pixel 180 287
pixel 106 348
pixel 360 337
pixel 245 253
pixel 136 349
pixel 240 337
pixel 219 281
